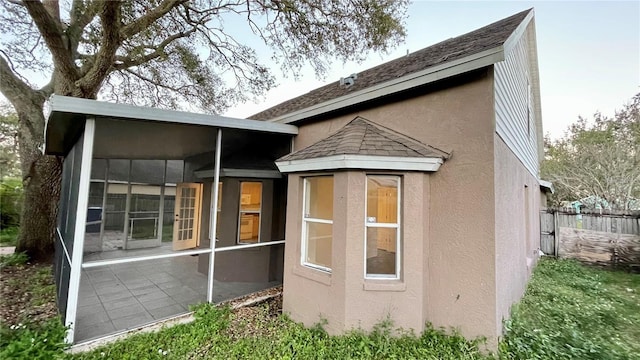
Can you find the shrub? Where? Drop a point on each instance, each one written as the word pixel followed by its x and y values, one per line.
pixel 10 202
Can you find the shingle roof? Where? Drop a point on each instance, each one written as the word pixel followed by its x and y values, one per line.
pixel 363 137
pixel 485 38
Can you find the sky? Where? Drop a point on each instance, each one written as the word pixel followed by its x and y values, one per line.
pixel 588 53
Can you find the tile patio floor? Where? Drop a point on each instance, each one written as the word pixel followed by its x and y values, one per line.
pixel 125 296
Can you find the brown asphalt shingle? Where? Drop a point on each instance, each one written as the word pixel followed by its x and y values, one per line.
pixel 485 38
pixel 363 137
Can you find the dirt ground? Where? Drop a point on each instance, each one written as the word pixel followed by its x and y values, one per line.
pixel 27 294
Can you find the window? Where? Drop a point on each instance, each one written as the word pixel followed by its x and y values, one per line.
pixel 382 238
pixel 218 210
pixel 317 227
pixel 250 207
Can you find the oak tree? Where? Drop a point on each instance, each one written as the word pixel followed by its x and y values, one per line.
pixel 598 160
pixel 164 53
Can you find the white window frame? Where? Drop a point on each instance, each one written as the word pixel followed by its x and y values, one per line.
pixel 305 220
pixel 241 212
pixel 396 225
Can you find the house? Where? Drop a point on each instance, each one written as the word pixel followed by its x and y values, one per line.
pixel 409 190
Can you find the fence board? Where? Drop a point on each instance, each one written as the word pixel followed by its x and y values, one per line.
pixel 601 237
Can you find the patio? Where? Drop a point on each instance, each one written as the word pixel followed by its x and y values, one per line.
pixel 120 297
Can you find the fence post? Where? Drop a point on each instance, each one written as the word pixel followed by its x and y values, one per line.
pixel 556 234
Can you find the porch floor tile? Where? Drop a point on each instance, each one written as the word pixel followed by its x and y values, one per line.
pixel 126 296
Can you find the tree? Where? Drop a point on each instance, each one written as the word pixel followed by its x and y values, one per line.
pixel 9 158
pixel 163 53
pixel 599 159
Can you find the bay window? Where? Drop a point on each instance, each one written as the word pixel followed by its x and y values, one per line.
pixel 317 227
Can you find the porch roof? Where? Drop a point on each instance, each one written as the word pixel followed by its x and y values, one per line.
pixel 68 114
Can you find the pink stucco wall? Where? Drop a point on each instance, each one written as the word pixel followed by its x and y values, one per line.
pixel 517 227
pixel 449 250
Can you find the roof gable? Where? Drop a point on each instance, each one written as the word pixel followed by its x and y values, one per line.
pixel 449 51
pixel 363 137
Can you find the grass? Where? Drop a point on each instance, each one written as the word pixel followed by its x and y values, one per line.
pixel 8 236
pixel 571 311
pixel 213 336
pixel 568 312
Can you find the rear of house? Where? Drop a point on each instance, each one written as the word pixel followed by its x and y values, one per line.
pixel 463 238
pixel 407 191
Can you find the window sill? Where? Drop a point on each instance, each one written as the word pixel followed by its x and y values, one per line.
pixel 384 285
pixel 313 274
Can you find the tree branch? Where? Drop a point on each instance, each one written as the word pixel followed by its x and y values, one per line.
pixel 110 20
pixel 143 22
pixel 126 62
pixel 53 37
pixel 11 86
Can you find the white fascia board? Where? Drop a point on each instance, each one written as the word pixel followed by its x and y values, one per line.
pixel 367 162
pixel 432 74
pixel 66 104
pixel 515 36
pixel 547 185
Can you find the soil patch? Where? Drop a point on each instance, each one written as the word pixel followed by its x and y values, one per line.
pixel 27 294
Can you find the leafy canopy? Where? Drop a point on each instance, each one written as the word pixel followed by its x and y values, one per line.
pixel 598 160
pixel 170 53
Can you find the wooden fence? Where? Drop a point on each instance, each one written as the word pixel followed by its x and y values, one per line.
pixel 609 238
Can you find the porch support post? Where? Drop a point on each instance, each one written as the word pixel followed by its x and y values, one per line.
pixel 214 217
pixel 127 208
pixel 105 189
pixel 80 227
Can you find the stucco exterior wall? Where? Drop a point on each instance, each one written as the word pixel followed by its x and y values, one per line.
pixel 517 227
pixel 457 247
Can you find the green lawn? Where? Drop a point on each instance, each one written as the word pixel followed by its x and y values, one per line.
pixel 575 312
pixel 569 312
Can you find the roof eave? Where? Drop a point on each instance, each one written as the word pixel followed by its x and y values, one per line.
pixel 369 162
pixel 426 76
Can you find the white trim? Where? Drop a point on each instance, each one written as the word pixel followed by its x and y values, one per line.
pixel 426 76
pixel 361 162
pixel 98 263
pixel 64 247
pixel 240 247
pixel 66 104
pixel 241 212
pixel 316 267
pixel 214 217
pixel 80 228
pixel 240 173
pixel 515 36
pixel 316 220
pixel 305 220
pixel 547 185
pixel 396 225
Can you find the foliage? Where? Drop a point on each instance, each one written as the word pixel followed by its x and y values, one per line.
pixel 280 338
pixel 33 341
pixel 164 53
pixel 13 259
pixel 8 236
pixel 9 157
pixel 172 53
pixel 570 311
pixel 10 203
pixel 598 158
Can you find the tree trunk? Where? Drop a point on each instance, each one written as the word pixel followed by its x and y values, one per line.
pixel 41 187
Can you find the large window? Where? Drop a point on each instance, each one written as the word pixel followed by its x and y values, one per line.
pixel 250 207
pixel 317 227
pixel 382 242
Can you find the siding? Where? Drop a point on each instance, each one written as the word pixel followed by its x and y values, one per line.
pixel 511 82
